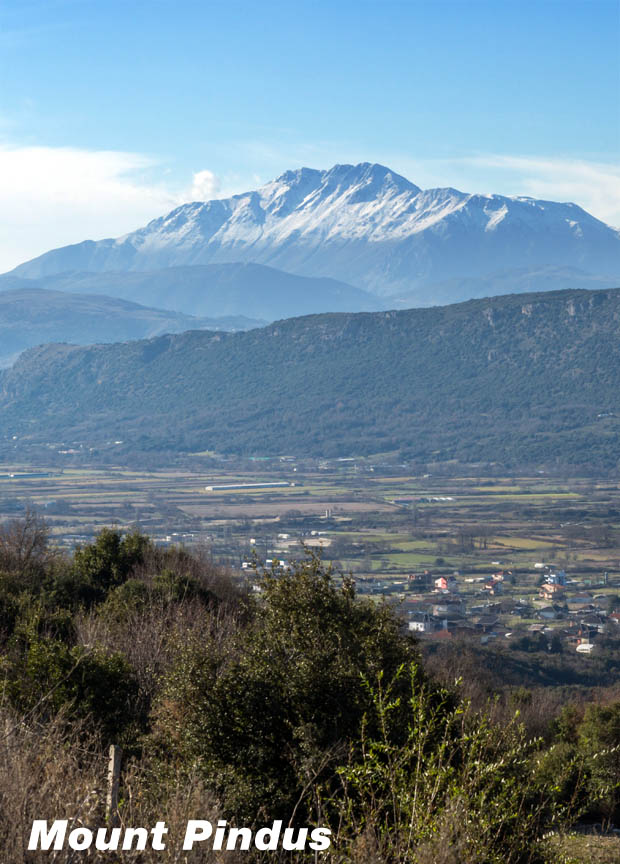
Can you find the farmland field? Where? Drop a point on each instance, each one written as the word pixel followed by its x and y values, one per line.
pixel 379 518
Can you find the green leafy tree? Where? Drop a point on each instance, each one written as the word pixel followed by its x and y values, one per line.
pixel 110 559
pixel 599 741
pixel 265 713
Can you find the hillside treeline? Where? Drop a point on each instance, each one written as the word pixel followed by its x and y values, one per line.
pixel 526 380
pixel 298 702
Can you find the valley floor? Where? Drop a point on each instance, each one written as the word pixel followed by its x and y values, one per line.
pixel 527 562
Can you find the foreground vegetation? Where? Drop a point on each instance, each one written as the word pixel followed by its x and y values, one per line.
pixel 298 702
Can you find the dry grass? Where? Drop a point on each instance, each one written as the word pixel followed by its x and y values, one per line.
pixel 45 775
pixel 585 849
pixel 49 773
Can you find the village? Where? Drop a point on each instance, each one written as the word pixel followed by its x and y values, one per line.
pixel 539 610
pixel 561 613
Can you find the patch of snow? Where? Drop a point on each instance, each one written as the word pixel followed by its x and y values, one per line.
pixel 495 217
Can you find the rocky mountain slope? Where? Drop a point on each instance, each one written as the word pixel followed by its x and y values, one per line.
pixel 362 224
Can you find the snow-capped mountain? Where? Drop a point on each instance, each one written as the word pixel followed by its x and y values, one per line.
pixel 363 224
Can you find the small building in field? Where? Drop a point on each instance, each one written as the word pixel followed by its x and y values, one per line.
pixel 550 592
pixel 422 622
pixel 580 601
pixel 550 613
pixel 446 584
pixel 487 623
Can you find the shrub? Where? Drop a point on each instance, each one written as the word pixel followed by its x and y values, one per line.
pixel 109 561
pixel 264 712
pixel 50 678
pixel 456 790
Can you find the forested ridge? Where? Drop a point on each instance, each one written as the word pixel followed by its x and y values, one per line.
pixel 528 379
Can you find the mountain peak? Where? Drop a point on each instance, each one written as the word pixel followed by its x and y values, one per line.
pixel 299 175
pixel 346 175
pixel 373 172
pixel 363 224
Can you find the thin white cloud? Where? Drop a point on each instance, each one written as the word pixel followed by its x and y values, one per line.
pixel 52 196
pixel 595 186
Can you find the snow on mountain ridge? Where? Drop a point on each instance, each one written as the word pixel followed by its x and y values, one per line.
pixel 347 202
pixel 363 224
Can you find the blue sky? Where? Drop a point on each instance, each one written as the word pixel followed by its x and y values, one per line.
pixel 111 112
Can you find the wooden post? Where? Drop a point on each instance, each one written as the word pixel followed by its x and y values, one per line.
pixel 114 776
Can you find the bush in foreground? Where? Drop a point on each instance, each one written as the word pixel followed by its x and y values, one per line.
pixel 302 703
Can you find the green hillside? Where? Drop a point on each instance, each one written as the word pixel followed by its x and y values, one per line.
pixel 31 315
pixel 527 378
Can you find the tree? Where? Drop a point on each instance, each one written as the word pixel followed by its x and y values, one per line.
pixel 265 713
pixel 24 550
pixel 110 560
